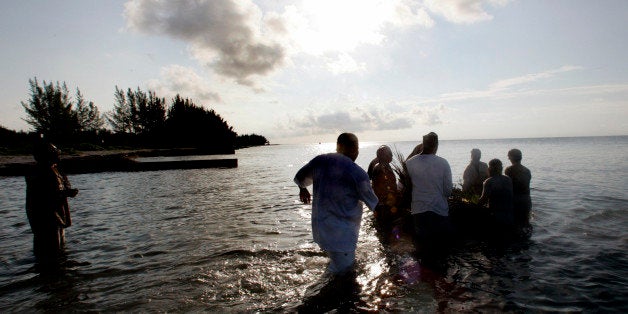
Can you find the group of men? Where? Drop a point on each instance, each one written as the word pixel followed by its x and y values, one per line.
pixel 340 187
pixel 508 196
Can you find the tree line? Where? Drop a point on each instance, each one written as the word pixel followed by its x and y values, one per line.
pixel 139 119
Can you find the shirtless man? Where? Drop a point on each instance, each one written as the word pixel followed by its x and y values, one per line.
pixel 497 192
pixel 521 177
pixel 475 174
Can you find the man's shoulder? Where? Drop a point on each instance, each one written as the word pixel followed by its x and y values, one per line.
pixel 442 160
pixel 358 171
pixel 328 157
pixel 427 158
pixel 338 160
pixel 412 159
pixel 517 168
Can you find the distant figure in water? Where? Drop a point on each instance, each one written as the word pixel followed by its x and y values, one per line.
pixel 47 190
pixel 475 174
pixel 384 184
pixel 340 187
pixel 497 192
pixel 521 177
pixel 431 186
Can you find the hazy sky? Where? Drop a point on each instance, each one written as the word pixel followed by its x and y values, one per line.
pixel 303 71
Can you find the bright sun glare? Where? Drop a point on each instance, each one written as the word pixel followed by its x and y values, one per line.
pixel 329 25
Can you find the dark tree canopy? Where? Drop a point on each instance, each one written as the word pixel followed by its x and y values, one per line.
pixel 248 140
pixel 52 112
pixel 137 112
pixel 194 126
pixel 139 119
pixel 88 115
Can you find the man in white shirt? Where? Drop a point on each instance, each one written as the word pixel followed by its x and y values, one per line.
pixel 340 187
pixel 431 186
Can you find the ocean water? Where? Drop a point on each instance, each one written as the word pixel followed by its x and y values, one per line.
pixel 238 240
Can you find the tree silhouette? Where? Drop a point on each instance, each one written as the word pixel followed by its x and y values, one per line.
pixel 189 125
pixel 50 111
pixel 137 112
pixel 88 115
pixel 248 140
pixel 121 117
pixel 139 119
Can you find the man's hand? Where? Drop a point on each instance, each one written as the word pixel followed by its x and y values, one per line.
pixel 305 196
pixel 71 192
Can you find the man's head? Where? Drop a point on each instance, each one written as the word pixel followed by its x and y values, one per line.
pixel 494 167
pixel 46 153
pixel 430 143
pixel 384 154
pixel 515 155
pixel 347 144
pixel 476 154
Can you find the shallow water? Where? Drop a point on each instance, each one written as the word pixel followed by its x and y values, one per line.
pixel 238 240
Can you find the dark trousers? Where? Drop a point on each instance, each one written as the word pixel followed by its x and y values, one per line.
pixel 48 243
pixel 433 233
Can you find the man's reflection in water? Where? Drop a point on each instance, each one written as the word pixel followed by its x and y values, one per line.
pixel 340 293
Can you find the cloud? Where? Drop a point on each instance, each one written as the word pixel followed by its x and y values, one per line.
pixel 345 64
pixel 430 116
pixel 237 40
pixel 245 42
pixel 223 35
pixel 504 88
pixel 322 26
pixel 356 120
pixel 507 83
pixel 176 79
pixel 463 11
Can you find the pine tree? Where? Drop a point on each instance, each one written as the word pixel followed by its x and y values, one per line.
pixel 89 118
pixel 152 112
pixel 137 112
pixel 50 111
pixel 121 118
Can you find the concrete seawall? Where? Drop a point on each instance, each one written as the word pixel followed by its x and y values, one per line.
pixel 118 163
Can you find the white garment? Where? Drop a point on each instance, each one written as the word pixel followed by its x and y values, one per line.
pixel 340 187
pixel 431 184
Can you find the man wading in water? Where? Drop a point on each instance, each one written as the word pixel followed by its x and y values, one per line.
pixel 47 190
pixel 340 187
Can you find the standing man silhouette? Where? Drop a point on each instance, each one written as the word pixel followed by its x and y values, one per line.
pixel 521 177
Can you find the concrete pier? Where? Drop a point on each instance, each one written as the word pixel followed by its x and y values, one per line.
pixel 118 163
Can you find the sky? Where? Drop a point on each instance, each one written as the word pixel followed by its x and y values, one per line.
pixel 305 71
